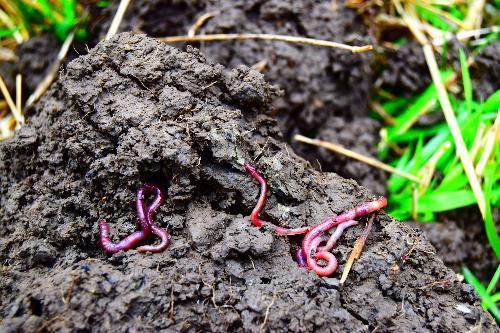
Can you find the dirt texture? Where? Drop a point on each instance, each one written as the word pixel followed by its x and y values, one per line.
pixel 320 85
pixel 406 70
pixel 136 110
pixel 460 243
pixel 486 71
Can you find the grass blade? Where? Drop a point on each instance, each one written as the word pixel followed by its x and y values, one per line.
pixel 466 81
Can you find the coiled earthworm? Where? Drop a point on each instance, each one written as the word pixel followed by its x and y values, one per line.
pixel 309 243
pixel 310 251
pixel 146 219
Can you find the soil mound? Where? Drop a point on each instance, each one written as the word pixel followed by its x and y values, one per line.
pixel 135 110
pixel 321 85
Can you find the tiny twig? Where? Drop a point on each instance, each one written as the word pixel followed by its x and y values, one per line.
pixel 117 19
pixel 281 38
pixel 383 114
pixel 267 312
pixel 51 75
pixel 357 156
pixel 357 249
pixel 200 21
pixel 171 312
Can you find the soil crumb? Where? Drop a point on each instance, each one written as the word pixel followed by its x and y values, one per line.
pixel 136 110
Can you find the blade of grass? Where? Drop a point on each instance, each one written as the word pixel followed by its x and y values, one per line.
pixel 494 280
pixel 489 224
pixel 492 103
pixel 466 81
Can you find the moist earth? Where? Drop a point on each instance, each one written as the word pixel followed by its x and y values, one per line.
pixel 322 86
pixel 135 110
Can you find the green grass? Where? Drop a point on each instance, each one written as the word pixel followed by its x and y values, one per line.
pixel 489 300
pixel 58 17
pixel 428 152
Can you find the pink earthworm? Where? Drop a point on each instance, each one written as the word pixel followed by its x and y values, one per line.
pixel 146 218
pixel 310 241
pixel 315 235
pixel 260 204
pixel 336 235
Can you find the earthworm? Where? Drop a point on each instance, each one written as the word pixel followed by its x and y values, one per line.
pixel 146 219
pixel 260 204
pixel 310 241
pixel 300 258
pixel 336 235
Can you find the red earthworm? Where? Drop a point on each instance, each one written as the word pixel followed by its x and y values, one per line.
pixel 310 241
pixel 336 235
pixel 260 204
pixel 164 237
pixel 300 258
pixel 309 252
pixel 146 218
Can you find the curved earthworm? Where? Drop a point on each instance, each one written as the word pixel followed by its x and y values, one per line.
pixel 310 251
pixel 310 241
pixel 260 204
pixel 146 218
pixel 336 235
pixel 164 243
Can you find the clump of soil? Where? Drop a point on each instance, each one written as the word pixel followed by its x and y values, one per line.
pixel 460 243
pixel 487 71
pixel 136 110
pixel 406 70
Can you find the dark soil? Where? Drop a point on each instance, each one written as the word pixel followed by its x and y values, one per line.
pixel 135 110
pixel 460 243
pixel 487 71
pixel 321 86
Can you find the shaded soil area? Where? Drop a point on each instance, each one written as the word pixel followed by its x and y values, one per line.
pixel 135 110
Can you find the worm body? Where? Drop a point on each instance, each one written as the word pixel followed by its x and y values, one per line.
pixel 310 252
pixel 148 227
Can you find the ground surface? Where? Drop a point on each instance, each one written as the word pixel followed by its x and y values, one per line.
pixel 326 92
pixel 135 110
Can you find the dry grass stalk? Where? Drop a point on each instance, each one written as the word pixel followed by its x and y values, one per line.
pixel 410 17
pixel 357 156
pixel 474 14
pixel 280 38
pixel 117 19
pixel 200 21
pixel 492 138
pixel 19 87
pixel 449 115
pixel 357 249
pixel 13 108
pixel 51 75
